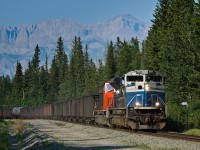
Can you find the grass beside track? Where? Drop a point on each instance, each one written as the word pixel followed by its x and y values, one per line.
pixel 193 132
pixel 16 134
pixel 4 135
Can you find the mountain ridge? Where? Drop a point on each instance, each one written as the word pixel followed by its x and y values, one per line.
pixel 17 43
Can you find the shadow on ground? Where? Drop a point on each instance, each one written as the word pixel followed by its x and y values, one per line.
pixel 33 139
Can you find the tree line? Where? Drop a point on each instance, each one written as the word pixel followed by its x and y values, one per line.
pixel 171 47
pixel 67 76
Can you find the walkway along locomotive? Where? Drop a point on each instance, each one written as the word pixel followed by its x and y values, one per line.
pixel 136 100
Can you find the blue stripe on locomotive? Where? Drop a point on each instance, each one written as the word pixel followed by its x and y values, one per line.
pixel 146 98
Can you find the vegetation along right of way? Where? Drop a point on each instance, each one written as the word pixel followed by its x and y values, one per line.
pixel 172 48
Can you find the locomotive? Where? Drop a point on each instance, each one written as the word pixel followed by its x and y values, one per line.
pixel 135 100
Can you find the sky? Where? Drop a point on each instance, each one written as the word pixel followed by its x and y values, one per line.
pixel 20 12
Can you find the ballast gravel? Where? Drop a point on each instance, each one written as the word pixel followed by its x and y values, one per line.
pixel 74 136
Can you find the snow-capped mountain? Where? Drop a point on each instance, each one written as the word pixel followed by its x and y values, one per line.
pixel 18 43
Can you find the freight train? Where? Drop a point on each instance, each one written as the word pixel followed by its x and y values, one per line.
pixel 135 100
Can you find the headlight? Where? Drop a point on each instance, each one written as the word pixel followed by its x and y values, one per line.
pixel 146 87
pixel 157 104
pixel 137 104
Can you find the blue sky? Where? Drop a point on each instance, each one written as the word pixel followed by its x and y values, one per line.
pixel 18 12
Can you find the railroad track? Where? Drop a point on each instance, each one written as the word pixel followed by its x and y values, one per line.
pixel 178 136
pixel 171 135
pixel 164 134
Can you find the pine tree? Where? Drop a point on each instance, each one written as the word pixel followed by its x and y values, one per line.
pixel 35 73
pixel 136 56
pixel 86 70
pixel 44 86
pixel 36 60
pixel 143 65
pixel 101 73
pixel 117 48
pixel 155 45
pixel 110 62
pixel 5 91
pixel 53 82
pixel 64 87
pixel 181 51
pixel 80 69
pixel 72 69
pixel 91 82
pixel 27 82
pixel 57 71
pixel 17 90
pixel 125 59
pixel 61 59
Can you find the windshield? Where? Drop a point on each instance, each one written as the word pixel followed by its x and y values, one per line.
pixel 135 78
pixel 153 78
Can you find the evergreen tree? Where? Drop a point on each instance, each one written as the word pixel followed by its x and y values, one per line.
pixel 101 73
pixel 5 91
pixel 125 59
pixel 17 90
pixel 44 87
pixel 76 69
pixel 117 48
pixel 156 40
pixel 36 60
pixel 91 82
pixel 179 44
pixel 72 68
pixel 80 69
pixel 91 85
pixel 136 56
pixel 110 62
pixel 53 82
pixel 86 68
pixel 143 65
pixel 35 73
pixel 45 83
pixel 57 71
pixel 61 59
pixel 64 87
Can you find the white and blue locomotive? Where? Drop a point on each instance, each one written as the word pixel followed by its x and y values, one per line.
pixel 139 101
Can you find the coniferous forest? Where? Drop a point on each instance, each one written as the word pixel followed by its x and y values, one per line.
pixel 172 47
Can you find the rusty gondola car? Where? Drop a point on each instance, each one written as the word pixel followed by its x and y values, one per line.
pixel 77 109
pixel 5 113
